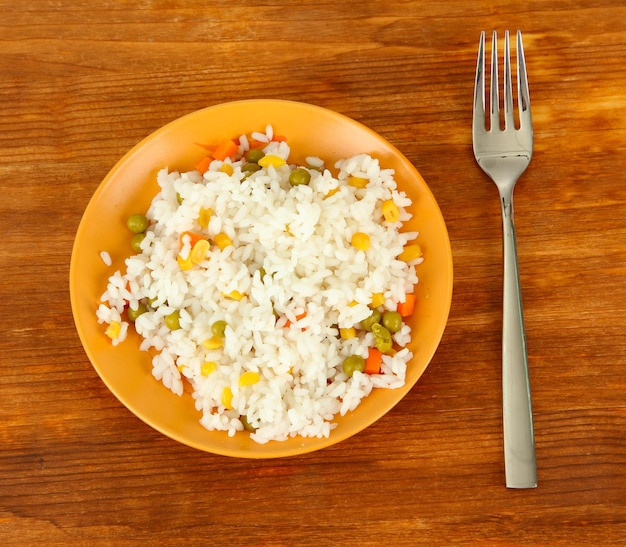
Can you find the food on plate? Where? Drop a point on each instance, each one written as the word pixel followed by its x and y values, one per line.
pixel 276 294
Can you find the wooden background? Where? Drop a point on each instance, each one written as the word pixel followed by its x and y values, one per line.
pixel 81 82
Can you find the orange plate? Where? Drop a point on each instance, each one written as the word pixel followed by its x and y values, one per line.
pixel 130 187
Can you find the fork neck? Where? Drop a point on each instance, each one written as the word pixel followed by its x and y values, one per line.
pixel 504 171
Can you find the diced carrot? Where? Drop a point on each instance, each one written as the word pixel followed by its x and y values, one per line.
pixel 202 165
pixel 253 143
pixel 225 149
pixel 279 138
pixel 193 238
pixel 298 317
pixel 406 308
pixel 373 361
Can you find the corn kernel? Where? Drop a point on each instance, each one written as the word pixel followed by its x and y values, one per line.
pixel 184 263
pixel 357 182
pixel 353 303
pixel 222 240
pixel 208 368
pixel 205 216
pixel 249 378
pixel 274 161
pixel 390 210
pixel 213 343
pixel 378 299
pixel 233 295
pixel 227 398
pixel 226 168
pixel 287 230
pixel 347 333
pixel 181 368
pixel 361 241
pixel 331 192
pixel 113 330
pixel 199 251
pixel 410 252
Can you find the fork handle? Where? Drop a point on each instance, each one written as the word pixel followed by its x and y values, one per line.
pixel 519 444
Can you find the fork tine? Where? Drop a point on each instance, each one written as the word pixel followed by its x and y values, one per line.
pixel 494 119
pixel 479 87
pixel 522 86
pixel 509 119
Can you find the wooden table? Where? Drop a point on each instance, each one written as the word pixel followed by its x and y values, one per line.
pixel 82 82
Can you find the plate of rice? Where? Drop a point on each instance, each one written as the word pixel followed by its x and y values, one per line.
pixel 261 278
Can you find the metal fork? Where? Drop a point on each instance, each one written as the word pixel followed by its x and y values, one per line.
pixel 504 154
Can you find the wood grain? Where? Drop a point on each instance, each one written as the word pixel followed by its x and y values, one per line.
pixel 83 82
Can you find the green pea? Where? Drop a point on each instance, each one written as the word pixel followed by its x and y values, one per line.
pixel 172 321
pixel 135 242
pixel 299 176
pixel 249 168
pixel 367 323
pixel 133 314
pixel 352 363
pixel 218 328
pixel 254 155
pixel 392 321
pixel 137 223
pixel 246 424
pixel 382 338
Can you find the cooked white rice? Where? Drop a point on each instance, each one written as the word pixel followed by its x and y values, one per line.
pixel 299 239
pixel 106 258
